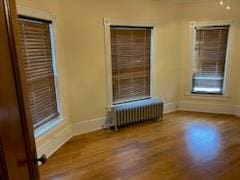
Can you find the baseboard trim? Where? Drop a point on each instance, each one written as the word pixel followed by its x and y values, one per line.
pixel 207 107
pixel 170 107
pixel 88 126
pixel 237 111
pixel 52 141
pixel 98 123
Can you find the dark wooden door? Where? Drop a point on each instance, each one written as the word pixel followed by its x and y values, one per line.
pixel 17 146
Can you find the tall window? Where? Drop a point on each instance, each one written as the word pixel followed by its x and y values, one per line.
pixel 131 49
pixel 36 47
pixel 209 61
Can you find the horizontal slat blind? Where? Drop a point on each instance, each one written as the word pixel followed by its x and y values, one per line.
pixel 130 63
pixel 38 65
pixel 210 59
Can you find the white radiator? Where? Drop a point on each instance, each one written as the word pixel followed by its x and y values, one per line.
pixel 135 112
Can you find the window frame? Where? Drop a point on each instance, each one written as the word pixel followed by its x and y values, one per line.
pixel 225 94
pixel 47 16
pixel 107 32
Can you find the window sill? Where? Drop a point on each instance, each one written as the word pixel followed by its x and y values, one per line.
pixel 208 97
pixel 46 127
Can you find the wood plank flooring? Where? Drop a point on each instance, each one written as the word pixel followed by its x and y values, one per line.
pixel 184 145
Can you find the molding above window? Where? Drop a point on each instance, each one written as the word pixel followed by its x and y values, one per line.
pixel 126 22
pixel 35 13
pixel 211 23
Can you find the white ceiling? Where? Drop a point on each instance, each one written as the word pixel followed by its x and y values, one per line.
pixel 189 1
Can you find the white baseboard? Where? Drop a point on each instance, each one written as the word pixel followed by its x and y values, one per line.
pixel 170 107
pixel 207 107
pixel 53 140
pixel 237 111
pixel 88 126
pixel 98 123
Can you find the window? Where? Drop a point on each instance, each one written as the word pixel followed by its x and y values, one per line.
pixel 131 50
pixel 210 52
pixel 35 36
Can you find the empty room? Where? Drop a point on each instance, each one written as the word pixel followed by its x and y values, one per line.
pixel 119 89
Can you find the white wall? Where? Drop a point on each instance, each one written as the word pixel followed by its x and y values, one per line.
pixel 82 65
pixel 81 58
pixel 84 47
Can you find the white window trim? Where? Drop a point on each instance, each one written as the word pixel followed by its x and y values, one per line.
pixel 34 13
pixel 225 95
pixel 107 32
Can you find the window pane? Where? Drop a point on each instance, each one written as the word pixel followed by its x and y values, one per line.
pixel 131 49
pixel 38 66
pixel 209 59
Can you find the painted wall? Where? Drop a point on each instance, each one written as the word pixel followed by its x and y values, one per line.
pixel 84 48
pixel 81 58
pixel 211 11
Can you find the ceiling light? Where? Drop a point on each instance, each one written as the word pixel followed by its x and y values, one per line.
pixel 228 7
pixel 221 3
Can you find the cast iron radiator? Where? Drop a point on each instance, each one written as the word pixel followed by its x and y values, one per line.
pixel 135 112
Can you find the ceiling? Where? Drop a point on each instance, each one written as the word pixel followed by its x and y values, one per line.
pixel 189 1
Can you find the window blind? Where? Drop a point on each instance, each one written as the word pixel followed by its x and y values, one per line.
pixel 209 59
pixel 36 47
pixel 130 63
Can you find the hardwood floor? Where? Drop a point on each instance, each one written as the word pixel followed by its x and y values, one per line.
pixel 184 145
